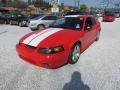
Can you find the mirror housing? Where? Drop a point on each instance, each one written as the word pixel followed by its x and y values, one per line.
pixel 89 27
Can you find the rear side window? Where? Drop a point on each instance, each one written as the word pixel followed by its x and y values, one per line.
pixel 50 18
pixel 68 23
pixel 93 21
pixel 89 23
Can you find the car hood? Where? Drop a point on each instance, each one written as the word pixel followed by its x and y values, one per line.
pixel 33 21
pixel 50 37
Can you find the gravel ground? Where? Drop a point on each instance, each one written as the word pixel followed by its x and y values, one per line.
pixel 97 69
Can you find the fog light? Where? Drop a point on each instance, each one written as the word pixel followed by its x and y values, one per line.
pixel 45 64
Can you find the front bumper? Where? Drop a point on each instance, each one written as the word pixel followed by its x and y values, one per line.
pixel 108 19
pixel 42 60
pixel 25 23
pixel 32 27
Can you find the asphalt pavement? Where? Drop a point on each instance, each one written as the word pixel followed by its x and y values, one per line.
pixel 97 69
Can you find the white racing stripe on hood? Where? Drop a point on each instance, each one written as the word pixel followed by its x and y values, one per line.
pixel 35 40
pixel 31 37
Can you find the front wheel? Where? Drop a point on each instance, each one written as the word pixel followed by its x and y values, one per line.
pixel 41 27
pixel 74 54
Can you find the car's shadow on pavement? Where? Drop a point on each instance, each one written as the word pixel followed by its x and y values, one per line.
pixel 76 83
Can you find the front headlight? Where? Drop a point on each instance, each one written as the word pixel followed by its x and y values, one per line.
pixel 24 21
pixel 51 50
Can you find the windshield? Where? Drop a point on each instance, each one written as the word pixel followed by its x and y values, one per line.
pixel 38 17
pixel 69 23
pixel 109 14
pixel 33 16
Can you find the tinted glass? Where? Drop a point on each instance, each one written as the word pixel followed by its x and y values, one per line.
pixel 38 17
pixel 93 21
pixel 33 16
pixel 69 23
pixel 50 18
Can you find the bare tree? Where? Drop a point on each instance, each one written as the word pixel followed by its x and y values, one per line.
pixel 115 3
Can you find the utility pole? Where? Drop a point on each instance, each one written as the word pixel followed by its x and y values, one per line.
pixel 75 3
pixel 78 4
pixel 29 2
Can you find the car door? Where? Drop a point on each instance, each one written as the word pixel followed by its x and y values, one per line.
pixel 89 32
pixel 47 20
pixel 95 26
pixel 19 17
pixel 14 18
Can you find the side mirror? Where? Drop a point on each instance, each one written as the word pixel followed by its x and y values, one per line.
pixel 89 27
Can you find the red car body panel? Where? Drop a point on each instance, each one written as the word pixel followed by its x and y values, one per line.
pixel 64 37
pixel 109 18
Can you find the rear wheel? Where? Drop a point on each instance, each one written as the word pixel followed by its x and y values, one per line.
pixel 11 23
pixel 74 54
pixel 27 24
pixel 5 22
pixel 98 36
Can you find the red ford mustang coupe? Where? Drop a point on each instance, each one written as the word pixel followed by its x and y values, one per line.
pixel 61 43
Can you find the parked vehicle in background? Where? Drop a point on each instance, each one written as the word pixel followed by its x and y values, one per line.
pixel 75 13
pixel 108 16
pixel 117 14
pixel 23 21
pixel 4 18
pixel 32 16
pixel 81 13
pixel 1 19
pixel 41 22
pixel 18 19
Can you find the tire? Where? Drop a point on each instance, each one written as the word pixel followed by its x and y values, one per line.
pixel 27 24
pixel 20 24
pixel 5 22
pixel 98 36
pixel 11 23
pixel 33 29
pixel 74 54
pixel 40 27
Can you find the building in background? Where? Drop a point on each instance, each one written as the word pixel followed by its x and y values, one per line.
pixel 7 5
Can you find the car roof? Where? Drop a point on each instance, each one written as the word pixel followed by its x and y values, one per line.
pixel 83 16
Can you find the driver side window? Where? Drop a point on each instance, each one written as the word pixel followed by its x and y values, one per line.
pixel 50 18
pixel 88 24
